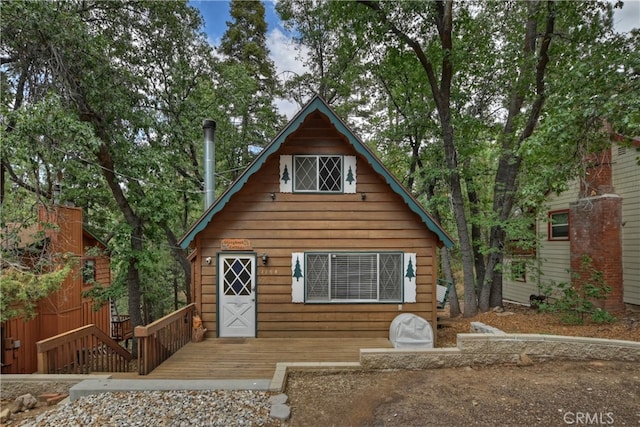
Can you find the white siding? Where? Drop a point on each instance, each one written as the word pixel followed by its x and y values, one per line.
pixel 554 255
pixel 553 260
pixel 626 182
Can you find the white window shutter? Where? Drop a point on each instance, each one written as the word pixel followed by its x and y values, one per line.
pixel 286 174
pixel 349 182
pixel 410 277
pixel 297 277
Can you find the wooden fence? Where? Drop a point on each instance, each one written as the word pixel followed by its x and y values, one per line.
pixel 81 351
pixel 157 341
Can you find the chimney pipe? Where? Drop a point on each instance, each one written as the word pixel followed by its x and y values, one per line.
pixel 209 127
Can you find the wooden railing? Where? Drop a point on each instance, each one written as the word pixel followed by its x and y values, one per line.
pixel 81 351
pixel 121 329
pixel 159 340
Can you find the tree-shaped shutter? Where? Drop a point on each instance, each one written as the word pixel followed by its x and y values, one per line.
pixel 297 277
pixel 349 174
pixel 286 174
pixel 410 277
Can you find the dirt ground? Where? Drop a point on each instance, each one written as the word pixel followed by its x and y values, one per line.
pixel 550 393
pixel 545 394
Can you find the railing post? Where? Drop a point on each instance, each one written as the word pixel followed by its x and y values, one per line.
pixel 43 365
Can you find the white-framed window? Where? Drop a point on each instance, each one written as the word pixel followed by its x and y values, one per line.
pixel 337 277
pixel 317 174
pixel 559 225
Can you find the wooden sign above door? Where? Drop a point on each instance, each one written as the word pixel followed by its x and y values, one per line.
pixel 235 244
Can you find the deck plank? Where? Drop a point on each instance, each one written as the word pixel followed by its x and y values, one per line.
pixel 255 358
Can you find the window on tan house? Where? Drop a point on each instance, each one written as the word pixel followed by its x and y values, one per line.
pixel 519 270
pixel 559 225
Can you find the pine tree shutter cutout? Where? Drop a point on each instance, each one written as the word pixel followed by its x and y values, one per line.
pixel 349 172
pixel 410 277
pixel 286 174
pixel 297 277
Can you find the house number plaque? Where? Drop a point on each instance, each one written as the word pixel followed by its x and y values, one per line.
pixel 235 244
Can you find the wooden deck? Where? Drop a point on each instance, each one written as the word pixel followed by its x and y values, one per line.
pixel 255 358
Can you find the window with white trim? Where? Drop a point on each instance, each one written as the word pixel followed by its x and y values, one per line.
pixel 559 225
pixel 336 174
pixel 317 174
pixel 354 277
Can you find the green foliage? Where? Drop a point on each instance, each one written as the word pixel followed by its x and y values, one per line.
pixel 573 301
pixel 525 89
pixel 21 289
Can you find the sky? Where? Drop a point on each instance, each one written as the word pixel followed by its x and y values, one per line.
pixel 279 43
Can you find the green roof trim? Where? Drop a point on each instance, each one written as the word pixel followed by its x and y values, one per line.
pixel 316 104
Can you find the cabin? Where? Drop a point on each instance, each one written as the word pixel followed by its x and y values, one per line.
pixel 596 216
pixel 315 239
pixel 65 309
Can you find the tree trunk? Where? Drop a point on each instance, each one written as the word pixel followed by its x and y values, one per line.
pixel 441 92
pixel 454 304
pixel 180 256
pixel 476 231
pixel 133 285
pixel 509 165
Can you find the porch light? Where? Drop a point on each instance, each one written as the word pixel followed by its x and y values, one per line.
pixel 363 196
pixel 265 259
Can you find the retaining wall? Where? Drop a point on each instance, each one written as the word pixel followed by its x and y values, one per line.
pixel 488 349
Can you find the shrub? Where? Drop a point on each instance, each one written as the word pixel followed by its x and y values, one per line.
pixel 573 301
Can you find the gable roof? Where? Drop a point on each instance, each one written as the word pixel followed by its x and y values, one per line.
pixel 316 104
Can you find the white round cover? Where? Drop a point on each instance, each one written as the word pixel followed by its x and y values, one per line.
pixel 410 331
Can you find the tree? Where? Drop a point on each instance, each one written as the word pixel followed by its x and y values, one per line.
pixel 104 89
pixel 247 88
pixel 497 75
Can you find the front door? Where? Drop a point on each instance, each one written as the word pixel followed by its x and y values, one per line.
pixel 237 296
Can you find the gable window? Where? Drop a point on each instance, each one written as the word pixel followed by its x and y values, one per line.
pixel 317 174
pixel 559 225
pixel 354 277
pixel 334 174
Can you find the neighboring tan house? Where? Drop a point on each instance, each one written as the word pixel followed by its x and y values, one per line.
pixel 65 309
pixel 315 239
pixel 598 216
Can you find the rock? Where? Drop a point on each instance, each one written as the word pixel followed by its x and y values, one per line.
pixel 279 399
pixel 5 415
pixel 505 313
pixel 25 402
pixel 280 412
pixel 524 360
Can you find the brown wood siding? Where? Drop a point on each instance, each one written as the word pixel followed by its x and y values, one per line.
pixel 295 222
pixel 23 359
pixel 65 309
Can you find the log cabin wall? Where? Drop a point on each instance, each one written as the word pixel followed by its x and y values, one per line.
pixel 295 222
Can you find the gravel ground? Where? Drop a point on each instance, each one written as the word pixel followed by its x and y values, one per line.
pixel 160 408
